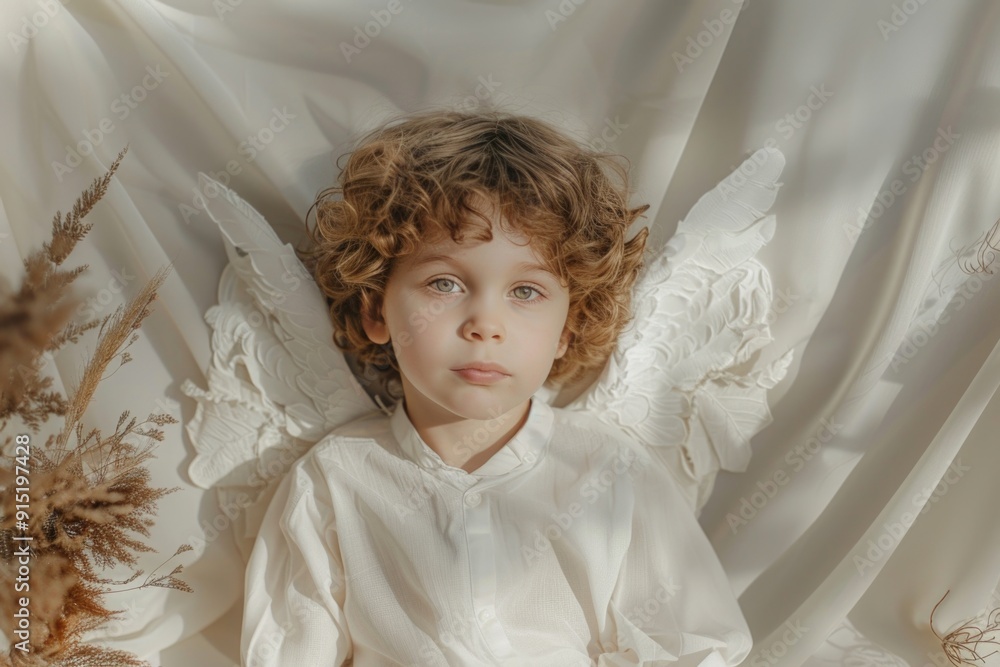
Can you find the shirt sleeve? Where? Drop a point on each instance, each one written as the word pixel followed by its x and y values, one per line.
pixel 295 586
pixel 673 603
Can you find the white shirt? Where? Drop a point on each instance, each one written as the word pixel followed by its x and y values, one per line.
pixel 570 546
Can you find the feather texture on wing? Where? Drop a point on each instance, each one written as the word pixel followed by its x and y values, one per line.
pixel 277 383
pixel 678 380
pixel 683 379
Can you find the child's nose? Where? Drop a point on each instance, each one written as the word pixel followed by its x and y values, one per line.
pixel 485 324
pixel 479 329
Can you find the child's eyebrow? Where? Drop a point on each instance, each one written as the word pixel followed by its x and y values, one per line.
pixel 523 266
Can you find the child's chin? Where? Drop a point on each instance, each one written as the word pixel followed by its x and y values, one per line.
pixel 485 406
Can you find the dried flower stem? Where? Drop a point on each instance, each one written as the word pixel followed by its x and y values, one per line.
pixel 988 249
pixel 964 642
pixel 123 322
pixel 87 499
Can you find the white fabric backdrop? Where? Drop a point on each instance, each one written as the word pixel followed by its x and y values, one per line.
pixel 887 113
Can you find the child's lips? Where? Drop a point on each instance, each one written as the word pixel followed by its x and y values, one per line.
pixel 476 376
pixel 483 366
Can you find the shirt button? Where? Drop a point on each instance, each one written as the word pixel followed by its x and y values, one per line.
pixel 472 499
pixel 486 614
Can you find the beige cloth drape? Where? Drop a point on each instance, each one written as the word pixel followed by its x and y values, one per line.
pixel 873 491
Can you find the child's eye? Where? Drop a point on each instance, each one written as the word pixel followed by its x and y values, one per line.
pixel 530 289
pixel 443 280
pixel 526 299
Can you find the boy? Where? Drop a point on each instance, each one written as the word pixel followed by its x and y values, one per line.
pixel 472 259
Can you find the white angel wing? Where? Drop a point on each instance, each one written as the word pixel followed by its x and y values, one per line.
pixel 277 383
pixel 678 380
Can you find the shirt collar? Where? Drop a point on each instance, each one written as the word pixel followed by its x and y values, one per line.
pixel 524 449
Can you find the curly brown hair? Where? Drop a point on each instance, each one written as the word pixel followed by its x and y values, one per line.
pixel 417 177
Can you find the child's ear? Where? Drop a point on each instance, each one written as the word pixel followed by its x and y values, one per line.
pixel 564 342
pixel 376 328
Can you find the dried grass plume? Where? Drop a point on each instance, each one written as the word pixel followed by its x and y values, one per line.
pixel 72 506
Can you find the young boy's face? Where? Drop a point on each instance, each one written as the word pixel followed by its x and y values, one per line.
pixel 451 305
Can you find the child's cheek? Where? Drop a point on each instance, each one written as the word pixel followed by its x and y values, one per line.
pixel 422 317
pixel 418 322
pixel 425 313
